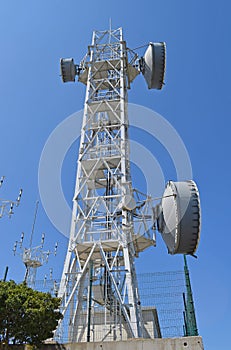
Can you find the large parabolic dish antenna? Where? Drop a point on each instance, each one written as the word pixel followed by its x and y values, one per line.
pixel 180 217
pixel 68 69
pixel 153 65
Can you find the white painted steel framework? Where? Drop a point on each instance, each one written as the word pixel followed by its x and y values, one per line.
pixel 111 220
pixel 33 257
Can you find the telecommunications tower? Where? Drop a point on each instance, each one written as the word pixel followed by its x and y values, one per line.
pixel 112 222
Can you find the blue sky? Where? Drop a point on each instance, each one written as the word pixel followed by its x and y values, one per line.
pixel 195 100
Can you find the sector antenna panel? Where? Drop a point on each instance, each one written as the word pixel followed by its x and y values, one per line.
pixel 180 217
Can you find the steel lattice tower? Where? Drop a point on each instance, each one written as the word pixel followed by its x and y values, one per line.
pixel 110 221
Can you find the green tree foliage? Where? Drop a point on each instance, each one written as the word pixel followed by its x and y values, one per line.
pixel 26 315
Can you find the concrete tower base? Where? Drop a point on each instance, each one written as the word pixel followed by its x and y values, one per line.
pixel 185 343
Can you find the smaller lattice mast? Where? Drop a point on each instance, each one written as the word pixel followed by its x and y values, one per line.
pixel 33 257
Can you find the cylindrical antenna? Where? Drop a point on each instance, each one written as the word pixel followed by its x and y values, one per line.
pixel 19 197
pixel 51 273
pixel 21 240
pixel 1 180
pixel 15 247
pixel 56 246
pixel 33 226
pixel 47 256
pixel 42 240
pixel 11 209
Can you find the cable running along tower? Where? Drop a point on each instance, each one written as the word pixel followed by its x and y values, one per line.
pixel 111 222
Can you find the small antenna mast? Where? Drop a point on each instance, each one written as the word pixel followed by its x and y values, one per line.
pixel 33 226
pixel 110 26
pixel 33 257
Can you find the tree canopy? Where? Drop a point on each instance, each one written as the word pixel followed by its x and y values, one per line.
pixel 26 315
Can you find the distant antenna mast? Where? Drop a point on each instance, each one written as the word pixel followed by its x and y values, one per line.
pixel 7 205
pixel 110 30
pixel 33 257
pixel 33 226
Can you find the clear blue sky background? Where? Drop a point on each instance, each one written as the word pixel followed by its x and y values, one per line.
pixel 195 100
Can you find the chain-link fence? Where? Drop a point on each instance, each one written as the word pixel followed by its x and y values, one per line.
pixel 161 296
pixel 164 290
